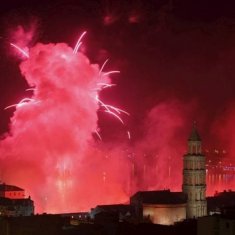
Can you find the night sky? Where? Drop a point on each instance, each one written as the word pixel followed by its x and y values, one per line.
pixel 167 51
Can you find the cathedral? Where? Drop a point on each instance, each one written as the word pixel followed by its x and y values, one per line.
pixel 166 207
pixel 194 177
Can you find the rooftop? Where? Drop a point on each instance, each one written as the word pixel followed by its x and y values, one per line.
pixel 7 187
pixel 160 197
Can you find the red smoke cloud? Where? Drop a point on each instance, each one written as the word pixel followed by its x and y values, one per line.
pixel 223 132
pixel 163 145
pixel 51 133
pixel 50 150
pixel 23 36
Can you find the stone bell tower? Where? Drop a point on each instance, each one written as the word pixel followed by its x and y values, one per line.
pixel 194 177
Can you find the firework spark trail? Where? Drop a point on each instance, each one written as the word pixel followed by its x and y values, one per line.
pixel 30 89
pixel 77 47
pixel 97 133
pixel 115 115
pixel 78 44
pixel 22 103
pixel 109 108
pixel 111 72
pixel 119 111
pixel 129 135
pixel 102 67
pixel 23 52
pixel 105 85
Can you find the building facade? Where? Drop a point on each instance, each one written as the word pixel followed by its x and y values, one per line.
pixel 194 177
pixel 160 207
pixel 13 201
pixel 11 191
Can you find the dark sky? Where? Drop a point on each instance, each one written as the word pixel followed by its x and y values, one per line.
pixel 166 50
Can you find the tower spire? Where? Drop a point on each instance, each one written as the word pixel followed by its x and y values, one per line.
pixel 194 141
pixel 194 136
pixel 194 176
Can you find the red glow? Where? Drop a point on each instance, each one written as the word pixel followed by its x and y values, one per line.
pixel 109 19
pixel 23 52
pixel 50 150
pixel 21 38
pixel 51 133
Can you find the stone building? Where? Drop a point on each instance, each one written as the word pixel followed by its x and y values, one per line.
pixel 194 177
pixel 159 207
pixel 13 201
pixel 11 191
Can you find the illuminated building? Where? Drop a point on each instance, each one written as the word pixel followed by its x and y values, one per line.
pixel 160 207
pixel 194 177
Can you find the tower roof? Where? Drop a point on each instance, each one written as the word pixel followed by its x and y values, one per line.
pixel 194 136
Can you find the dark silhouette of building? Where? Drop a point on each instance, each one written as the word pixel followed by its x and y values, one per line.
pixel 13 201
pixel 218 224
pixel 11 191
pixel 108 213
pixel 219 201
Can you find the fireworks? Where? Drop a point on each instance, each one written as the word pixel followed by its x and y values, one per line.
pixel 23 52
pixel 51 150
pixel 22 103
pixel 107 108
pixel 79 43
pixel 51 132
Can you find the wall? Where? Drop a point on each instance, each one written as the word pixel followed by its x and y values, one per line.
pixel 14 194
pixel 165 214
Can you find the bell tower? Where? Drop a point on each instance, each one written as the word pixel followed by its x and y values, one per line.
pixel 194 177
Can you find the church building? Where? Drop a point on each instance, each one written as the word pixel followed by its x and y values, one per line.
pixel 166 207
pixel 194 177
pixel 163 206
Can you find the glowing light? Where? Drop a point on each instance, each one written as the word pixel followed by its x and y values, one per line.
pixel 31 89
pixel 102 67
pixel 129 135
pixel 111 72
pixel 107 73
pixel 109 108
pixel 109 19
pixel 115 115
pixel 21 103
pixel 97 133
pixel 105 85
pixel 78 44
pixel 133 18
pixel 23 52
pixel 57 134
